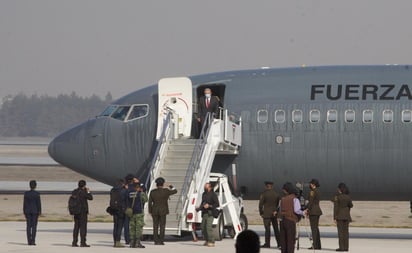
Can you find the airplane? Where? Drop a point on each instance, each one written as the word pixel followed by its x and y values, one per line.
pixel 349 124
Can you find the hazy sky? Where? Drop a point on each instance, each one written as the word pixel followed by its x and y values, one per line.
pixel 96 46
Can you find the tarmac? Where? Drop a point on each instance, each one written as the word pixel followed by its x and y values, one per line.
pixel 57 237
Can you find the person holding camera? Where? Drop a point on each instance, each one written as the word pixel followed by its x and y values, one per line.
pixel 135 211
pixel 209 204
pixel 80 219
pixel 314 212
pixel 290 210
pixel 159 208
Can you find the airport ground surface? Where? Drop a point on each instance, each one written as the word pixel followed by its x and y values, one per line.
pixel 57 236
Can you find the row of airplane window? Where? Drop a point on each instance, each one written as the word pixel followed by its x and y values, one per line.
pixel 332 116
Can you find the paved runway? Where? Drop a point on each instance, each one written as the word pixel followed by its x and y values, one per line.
pixel 56 237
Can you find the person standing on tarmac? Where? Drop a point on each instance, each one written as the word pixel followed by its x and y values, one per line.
pixel 314 212
pixel 32 211
pixel 80 220
pixel 268 204
pixel 159 208
pixel 342 204
pixel 290 210
pixel 136 201
pixel 117 207
pixel 209 203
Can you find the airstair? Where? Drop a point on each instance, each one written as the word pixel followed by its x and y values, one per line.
pixel 186 164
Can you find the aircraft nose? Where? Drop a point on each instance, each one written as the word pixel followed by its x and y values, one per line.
pixel 68 148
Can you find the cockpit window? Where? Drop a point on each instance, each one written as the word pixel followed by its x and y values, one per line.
pixel 138 111
pixel 108 111
pixel 121 112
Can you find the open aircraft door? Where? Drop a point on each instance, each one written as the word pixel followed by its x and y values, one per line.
pixel 175 94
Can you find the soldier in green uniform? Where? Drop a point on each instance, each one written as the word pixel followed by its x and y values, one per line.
pixel 159 208
pixel 342 204
pixel 268 204
pixel 314 212
pixel 136 201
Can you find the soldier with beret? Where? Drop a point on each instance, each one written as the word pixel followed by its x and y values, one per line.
pixel 314 212
pixel 342 204
pixel 268 204
pixel 159 208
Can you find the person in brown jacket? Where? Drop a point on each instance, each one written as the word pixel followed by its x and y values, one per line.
pixel 314 212
pixel 342 204
pixel 268 204
pixel 290 210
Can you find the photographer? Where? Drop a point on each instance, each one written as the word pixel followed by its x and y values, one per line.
pixel 209 204
pixel 159 208
pixel 290 210
pixel 80 220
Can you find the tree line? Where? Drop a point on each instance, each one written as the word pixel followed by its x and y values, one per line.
pixel 47 116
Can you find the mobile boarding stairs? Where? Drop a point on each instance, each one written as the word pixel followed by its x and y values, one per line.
pixel 186 164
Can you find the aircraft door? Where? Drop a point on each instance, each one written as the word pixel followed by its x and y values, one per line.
pixel 175 94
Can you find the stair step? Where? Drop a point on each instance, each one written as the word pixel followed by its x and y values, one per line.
pixel 177 159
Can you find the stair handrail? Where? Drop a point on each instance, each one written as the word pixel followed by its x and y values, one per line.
pixel 162 139
pixel 195 160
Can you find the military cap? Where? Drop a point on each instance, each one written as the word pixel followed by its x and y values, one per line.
pixel 268 182
pixel 315 182
pixel 160 181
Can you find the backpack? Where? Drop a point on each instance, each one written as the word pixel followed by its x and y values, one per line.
pixel 74 205
pixel 116 199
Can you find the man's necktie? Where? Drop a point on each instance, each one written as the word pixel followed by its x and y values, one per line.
pixel 207 103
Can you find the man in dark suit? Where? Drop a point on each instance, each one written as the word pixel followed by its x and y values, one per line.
pixel 207 103
pixel 159 208
pixel 80 220
pixel 268 204
pixel 32 211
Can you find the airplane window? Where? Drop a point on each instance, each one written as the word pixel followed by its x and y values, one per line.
pixel 138 111
pixel 406 116
pixel 367 116
pixel 121 112
pixel 108 111
pixel 297 116
pixel 314 116
pixel 262 116
pixel 332 116
pixel 387 116
pixel 280 116
pixel 350 116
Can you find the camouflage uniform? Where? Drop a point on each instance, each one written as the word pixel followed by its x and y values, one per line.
pixel 137 220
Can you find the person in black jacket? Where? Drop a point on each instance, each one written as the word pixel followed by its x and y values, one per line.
pixel 118 206
pixel 32 211
pixel 207 103
pixel 80 220
pixel 209 203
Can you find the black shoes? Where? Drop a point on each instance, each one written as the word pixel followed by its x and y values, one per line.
pixel 84 245
pixel 265 246
pixel 315 248
pixel 341 250
pixel 159 243
pixel 75 245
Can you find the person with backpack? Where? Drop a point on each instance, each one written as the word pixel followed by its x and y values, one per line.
pixel 117 208
pixel 135 211
pixel 79 208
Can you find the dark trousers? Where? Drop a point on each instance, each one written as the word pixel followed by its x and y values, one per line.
pixel 31 228
pixel 159 221
pixel 126 229
pixel 274 222
pixel 343 234
pixel 287 236
pixel 80 224
pixel 118 221
pixel 314 227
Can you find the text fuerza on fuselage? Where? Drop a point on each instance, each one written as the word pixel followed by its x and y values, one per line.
pixel 360 92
